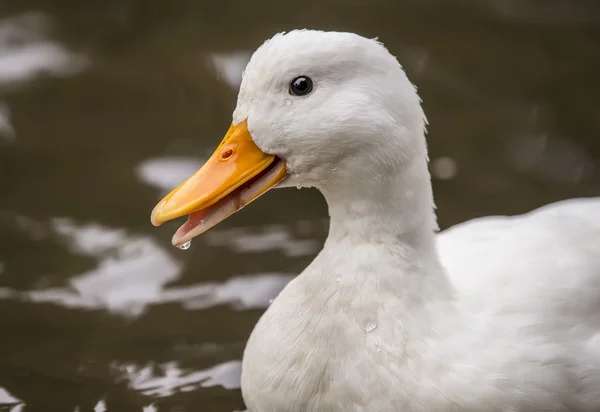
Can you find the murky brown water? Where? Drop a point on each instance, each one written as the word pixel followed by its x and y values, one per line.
pixel 97 310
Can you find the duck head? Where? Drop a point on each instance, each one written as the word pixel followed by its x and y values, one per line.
pixel 319 109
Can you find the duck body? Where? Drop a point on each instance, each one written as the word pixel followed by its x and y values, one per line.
pixel 495 314
pixel 515 330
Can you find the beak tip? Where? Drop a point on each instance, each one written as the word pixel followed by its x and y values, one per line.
pixel 155 222
pixel 176 240
pixel 155 217
pixel 158 216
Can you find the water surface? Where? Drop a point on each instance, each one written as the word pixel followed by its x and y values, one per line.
pixel 104 106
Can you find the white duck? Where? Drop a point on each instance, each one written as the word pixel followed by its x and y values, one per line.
pixel 498 314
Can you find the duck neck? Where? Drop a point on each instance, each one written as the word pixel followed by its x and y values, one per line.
pixel 392 215
pixel 395 206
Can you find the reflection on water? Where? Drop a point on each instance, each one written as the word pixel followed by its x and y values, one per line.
pixel 7 131
pixel 132 272
pixel 99 407
pixel 270 237
pixel 165 173
pixel 171 378
pixel 6 399
pixel 229 66
pixel 27 51
pixel 106 106
pixel 242 292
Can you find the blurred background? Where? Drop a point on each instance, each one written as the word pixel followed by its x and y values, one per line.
pixel 106 105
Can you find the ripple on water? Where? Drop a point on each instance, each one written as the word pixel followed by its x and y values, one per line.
pixel 265 239
pixel 133 272
pixel 168 378
pixel 7 399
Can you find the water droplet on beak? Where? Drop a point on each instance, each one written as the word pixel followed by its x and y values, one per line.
pixel 186 245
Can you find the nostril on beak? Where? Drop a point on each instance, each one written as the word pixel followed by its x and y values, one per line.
pixel 226 154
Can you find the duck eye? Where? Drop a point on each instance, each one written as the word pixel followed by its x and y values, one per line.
pixel 301 86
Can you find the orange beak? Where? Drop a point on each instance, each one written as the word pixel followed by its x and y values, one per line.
pixel 237 173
